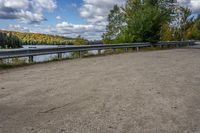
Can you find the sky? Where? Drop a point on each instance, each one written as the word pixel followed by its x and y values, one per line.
pixel 70 18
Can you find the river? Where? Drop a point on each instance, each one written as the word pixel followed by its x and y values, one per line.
pixel 42 58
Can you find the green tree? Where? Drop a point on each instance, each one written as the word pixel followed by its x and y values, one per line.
pixel 194 31
pixel 140 21
pixel 145 24
pixel 167 33
pixel 8 40
pixel 80 41
pixel 116 24
pixel 182 22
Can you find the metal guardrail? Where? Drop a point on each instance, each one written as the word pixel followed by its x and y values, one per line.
pixel 59 50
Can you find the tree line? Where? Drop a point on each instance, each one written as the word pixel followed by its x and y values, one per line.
pixel 151 21
pixel 11 39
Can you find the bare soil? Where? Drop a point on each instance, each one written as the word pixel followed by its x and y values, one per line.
pixel 145 92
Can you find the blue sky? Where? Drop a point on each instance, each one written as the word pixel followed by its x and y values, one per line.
pixel 63 17
pixel 68 9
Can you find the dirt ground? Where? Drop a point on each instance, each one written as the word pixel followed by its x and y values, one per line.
pixel 145 92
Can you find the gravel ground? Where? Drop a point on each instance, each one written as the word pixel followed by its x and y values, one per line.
pixel 145 92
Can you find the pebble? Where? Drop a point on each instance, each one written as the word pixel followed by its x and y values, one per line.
pixel 158 92
pixel 174 107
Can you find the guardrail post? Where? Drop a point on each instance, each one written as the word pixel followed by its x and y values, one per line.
pixel 188 44
pixel 59 55
pixel 137 48
pixel 99 51
pixel 126 49
pixel 80 54
pixel 1 61
pixel 30 58
pixel 176 45
pixel 114 50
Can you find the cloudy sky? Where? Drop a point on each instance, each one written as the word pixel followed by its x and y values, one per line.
pixel 64 17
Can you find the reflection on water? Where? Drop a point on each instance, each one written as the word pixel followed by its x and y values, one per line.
pixel 43 46
pixel 41 58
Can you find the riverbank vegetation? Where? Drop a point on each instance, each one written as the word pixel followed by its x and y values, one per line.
pixel 11 39
pixel 151 21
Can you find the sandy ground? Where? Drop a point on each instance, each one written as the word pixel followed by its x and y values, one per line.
pixel 146 92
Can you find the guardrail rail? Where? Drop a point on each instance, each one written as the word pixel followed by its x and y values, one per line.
pixel 15 53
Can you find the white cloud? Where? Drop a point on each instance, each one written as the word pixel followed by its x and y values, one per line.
pixel 17 28
pixel 95 11
pixel 22 4
pixel 58 17
pixel 28 11
pixel 47 4
pixel 86 30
